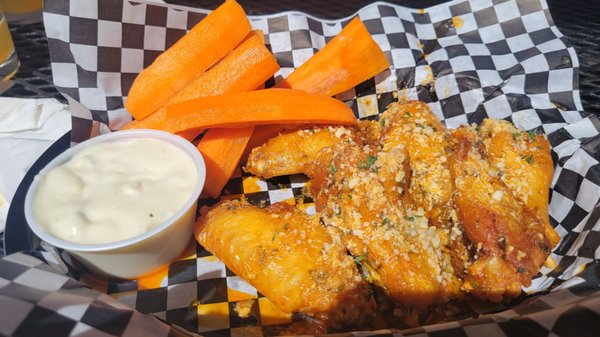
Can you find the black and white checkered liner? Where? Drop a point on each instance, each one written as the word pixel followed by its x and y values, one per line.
pixel 468 59
pixel 38 299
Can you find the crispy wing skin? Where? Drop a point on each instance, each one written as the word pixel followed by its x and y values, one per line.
pixel 431 214
pixel 402 253
pixel 290 258
pixel 288 153
pixel 509 238
pixel 414 128
pixel 413 125
pixel 522 161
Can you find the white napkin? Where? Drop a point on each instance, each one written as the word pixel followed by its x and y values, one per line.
pixel 27 128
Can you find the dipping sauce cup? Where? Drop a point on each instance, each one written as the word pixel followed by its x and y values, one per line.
pixel 138 255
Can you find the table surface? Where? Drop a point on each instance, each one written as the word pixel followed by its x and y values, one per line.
pixel 577 20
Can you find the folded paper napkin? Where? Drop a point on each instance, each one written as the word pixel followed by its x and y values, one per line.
pixel 27 128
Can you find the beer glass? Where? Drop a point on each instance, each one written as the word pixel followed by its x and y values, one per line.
pixel 9 62
pixel 22 11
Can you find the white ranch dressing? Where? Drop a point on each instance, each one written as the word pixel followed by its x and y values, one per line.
pixel 109 192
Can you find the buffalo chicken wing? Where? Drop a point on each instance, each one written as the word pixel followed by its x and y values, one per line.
pixel 430 215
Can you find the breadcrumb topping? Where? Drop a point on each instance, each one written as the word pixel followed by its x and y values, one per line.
pixel 428 214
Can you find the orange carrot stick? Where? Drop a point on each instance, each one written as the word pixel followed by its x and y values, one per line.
pixel 347 60
pixel 222 150
pixel 232 142
pixel 205 44
pixel 247 67
pixel 244 69
pixel 216 142
pixel 189 135
pixel 269 106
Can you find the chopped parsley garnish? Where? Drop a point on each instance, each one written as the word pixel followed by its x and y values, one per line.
pixel 368 163
pixel 410 218
pixel 516 134
pixel 359 259
pixel 385 221
pixel 382 122
pixel 332 169
pixel 285 225
pixel 371 160
pixel 421 125
pixel 528 159
pixel 531 135
pixel 407 115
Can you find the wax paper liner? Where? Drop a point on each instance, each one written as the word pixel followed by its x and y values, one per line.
pixel 467 59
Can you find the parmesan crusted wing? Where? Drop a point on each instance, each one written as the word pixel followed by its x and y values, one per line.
pixel 361 186
pixel 508 236
pixel 431 214
pixel 413 125
pixel 288 153
pixel 402 253
pixel 522 161
pixel 290 258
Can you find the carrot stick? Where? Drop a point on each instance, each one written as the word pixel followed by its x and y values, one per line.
pixel 205 44
pixel 247 67
pixel 269 106
pixel 231 142
pixel 222 150
pixel 234 143
pixel 190 134
pixel 347 60
pixel 244 69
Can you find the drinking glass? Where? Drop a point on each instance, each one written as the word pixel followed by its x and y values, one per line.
pixel 9 62
pixel 22 11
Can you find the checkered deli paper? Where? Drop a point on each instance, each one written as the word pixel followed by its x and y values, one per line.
pixel 467 59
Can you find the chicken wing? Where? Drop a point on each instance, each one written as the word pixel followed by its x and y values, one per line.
pixel 431 214
pixel 413 125
pixel 363 187
pixel 522 161
pixel 398 247
pixel 508 237
pixel 289 257
pixel 290 152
